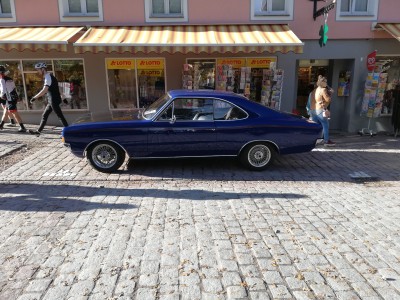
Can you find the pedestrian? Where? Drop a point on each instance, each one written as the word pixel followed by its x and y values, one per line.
pixel 320 99
pixel 3 103
pixel 9 98
pixel 50 88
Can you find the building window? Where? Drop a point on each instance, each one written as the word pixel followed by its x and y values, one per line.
pixel 272 9
pixel 5 7
pixel 80 10
pixel 354 7
pixel 166 7
pixel 357 9
pixel 7 11
pixel 166 10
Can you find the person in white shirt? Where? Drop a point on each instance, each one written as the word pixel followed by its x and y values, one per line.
pixel 9 99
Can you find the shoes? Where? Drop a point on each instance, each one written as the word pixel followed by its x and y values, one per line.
pixel 329 143
pixel 35 132
pixel 22 129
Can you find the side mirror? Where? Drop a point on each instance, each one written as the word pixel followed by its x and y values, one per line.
pixel 172 120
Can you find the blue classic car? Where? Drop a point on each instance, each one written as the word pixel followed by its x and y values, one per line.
pixel 193 123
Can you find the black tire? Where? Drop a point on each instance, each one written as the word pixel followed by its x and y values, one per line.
pixel 105 156
pixel 257 156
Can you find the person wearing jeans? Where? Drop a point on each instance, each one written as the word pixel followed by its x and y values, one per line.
pixel 320 98
pixel 50 88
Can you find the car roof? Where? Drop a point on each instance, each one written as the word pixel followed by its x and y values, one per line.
pixel 202 93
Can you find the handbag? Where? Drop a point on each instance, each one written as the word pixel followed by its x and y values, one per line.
pixel 326 114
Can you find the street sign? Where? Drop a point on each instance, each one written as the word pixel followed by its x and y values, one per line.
pixel 324 10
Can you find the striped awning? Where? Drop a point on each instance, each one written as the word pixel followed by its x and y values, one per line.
pixel 186 38
pixel 35 38
pixel 391 28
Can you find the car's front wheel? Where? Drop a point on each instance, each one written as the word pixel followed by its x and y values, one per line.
pixel 258 156
pixel 106 157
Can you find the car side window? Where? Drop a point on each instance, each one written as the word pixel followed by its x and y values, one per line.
pixel 190 109
pixel 166 115
pixel 226 111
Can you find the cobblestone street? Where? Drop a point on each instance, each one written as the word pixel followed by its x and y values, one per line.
pixel 318 225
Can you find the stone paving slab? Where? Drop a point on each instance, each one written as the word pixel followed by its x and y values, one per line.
pixel 8 147
pixel 204 229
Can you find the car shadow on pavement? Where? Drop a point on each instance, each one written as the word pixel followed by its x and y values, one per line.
pixel 320 165
pixel 35 197
pixel 68 198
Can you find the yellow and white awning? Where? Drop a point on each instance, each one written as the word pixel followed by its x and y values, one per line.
pixel 37 38
pixel 392 28
pixel 190 38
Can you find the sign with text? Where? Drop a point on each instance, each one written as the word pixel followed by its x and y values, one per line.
pixel 124 63
pixel 235 62
pixel 260 62
pixel 150 64
pixel 151 73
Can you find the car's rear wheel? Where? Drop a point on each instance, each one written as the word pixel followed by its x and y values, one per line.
pixel 106 157
pixel 258 156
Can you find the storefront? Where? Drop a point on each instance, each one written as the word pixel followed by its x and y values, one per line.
pixel 110 69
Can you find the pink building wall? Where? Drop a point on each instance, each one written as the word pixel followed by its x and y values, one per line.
pixel 128 12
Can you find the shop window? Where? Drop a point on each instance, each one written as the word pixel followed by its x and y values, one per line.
pixel 80 10
pixel 71 81
pixel 14 71
pixel 389 65
pixel 121 74
pixel 272 9
pixel 7 11
pixel 151 80
pixel 257 78
pixel 134 83
pixel 166 10
pixel 357 9
pixel 201 74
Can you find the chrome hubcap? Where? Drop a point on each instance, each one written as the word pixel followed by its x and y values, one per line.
pixel 259 156
pixel 104 156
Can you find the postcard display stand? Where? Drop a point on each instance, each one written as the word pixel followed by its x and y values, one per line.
pixel 187 77
pixel 245 81
pixel 225 78
pixel 272 88
pixel 374 92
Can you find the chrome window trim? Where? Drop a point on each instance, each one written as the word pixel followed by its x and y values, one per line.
pixel 200 97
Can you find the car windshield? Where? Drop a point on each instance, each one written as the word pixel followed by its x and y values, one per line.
pixel 155 107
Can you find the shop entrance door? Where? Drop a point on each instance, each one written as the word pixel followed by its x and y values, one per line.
pixel 307 75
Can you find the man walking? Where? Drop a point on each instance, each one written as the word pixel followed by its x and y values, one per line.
pixel 50 88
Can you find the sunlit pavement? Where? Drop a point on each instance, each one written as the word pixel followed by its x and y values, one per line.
pixel 318 225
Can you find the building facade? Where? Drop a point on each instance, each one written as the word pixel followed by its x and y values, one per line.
pixel 113 56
